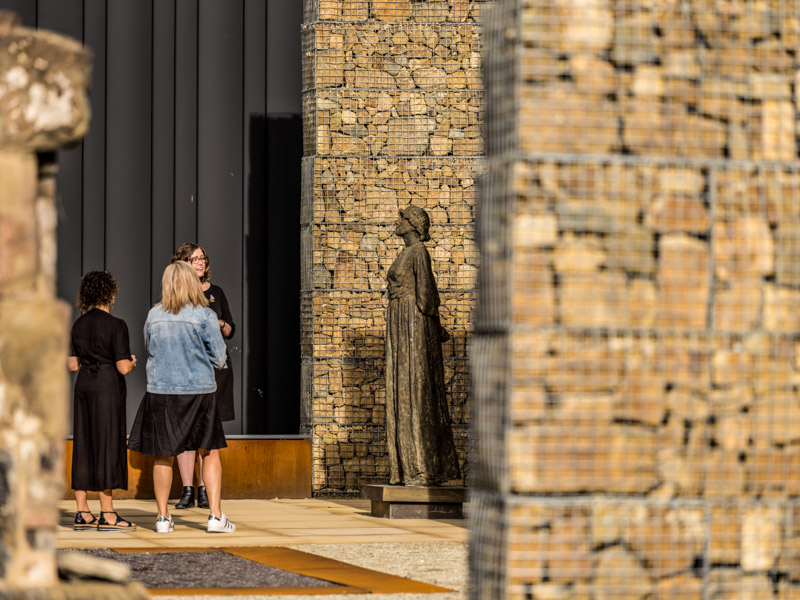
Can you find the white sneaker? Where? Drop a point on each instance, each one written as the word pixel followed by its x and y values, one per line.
pixel 164 524
pixel 220 524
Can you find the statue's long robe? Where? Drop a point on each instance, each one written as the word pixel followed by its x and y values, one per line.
pixel 419 435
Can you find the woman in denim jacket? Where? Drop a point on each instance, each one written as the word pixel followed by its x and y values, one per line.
pixel 178 412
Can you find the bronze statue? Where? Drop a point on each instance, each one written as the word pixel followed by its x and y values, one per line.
pixel 419 436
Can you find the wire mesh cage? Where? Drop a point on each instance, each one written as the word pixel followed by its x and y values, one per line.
pixel 393 102
pixel 631 549
pixel 344 333
pixel 636 409
pixel 344 124
pixel 415 11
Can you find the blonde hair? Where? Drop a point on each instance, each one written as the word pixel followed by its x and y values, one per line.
pixel 180 286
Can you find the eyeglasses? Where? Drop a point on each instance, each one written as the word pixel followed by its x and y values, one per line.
pixel 198 260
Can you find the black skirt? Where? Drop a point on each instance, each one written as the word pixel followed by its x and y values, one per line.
pixel 167 425
pixel 99 457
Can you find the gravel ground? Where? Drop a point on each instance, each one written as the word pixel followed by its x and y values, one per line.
pixel 439 563
pixel 201 569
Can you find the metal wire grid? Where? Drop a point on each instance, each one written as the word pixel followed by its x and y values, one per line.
pixel 392 102
pixel 346 123
pixel 392 56
pixel 501 77
pixel 652 415
pixel 371 190
pixel 347 457
pixel 350 324
pixel 343 328
pixel 348 416
pixel 342 313
pixel 344 333
pixel 617 548
pixel 488 542
pixel 421 11
pixel 583 549
pixel 490 362
pixel 358 257
pixel 667 79
pixel 424 83
pixel 654 313
pixel 635 243
pixel 647 302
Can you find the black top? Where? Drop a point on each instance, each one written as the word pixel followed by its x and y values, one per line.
pixel 99 338
pixel 219 304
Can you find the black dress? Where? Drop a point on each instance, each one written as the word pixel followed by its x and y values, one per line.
pixel 224 377
pixel 99 457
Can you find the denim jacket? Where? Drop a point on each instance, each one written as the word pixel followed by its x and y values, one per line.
pixel 182 350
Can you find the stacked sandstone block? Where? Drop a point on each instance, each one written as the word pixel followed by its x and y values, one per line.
pixel 393 101
pixel 636 413
pixel 44 78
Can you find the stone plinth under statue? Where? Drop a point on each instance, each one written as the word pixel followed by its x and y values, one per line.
pixel 406 502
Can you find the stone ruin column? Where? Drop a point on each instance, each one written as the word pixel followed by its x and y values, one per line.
pixel 636 424
pixel 44 80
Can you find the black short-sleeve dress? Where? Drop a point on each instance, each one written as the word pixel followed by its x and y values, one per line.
pixel 218 302
pixel 99 453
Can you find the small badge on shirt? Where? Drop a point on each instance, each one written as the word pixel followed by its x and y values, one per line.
pixel 211 298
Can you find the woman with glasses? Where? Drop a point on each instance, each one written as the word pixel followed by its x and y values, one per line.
pixel 196 256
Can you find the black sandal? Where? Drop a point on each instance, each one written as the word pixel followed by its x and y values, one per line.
pixel 81 524
pixel 104 525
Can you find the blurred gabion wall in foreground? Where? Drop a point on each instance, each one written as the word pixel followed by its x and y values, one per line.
pixel 393 100
pixel 636 416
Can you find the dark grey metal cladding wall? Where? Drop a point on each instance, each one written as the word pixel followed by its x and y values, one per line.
pixel 173 154
pixel 220 151
pixel 129 139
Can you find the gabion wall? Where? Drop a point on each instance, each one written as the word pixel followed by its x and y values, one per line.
pixel 636 415
pixel 393 100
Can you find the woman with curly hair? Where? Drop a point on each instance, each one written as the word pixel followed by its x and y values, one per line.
pixel 198 259
pixel 100 353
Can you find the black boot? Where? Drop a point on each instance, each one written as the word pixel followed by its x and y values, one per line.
pixel 187 499
pixel 202 497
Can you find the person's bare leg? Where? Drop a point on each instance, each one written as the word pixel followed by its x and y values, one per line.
pixel 200 471
pixel 84 519
pixel 81 501
pixel 107 506
pixel 162 482
pixel 186 467
pixel 212 475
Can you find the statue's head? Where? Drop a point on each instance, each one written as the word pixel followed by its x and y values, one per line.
pixel 419 219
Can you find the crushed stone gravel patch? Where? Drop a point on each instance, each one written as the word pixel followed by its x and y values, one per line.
pixel 203 569
pixel 439 563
